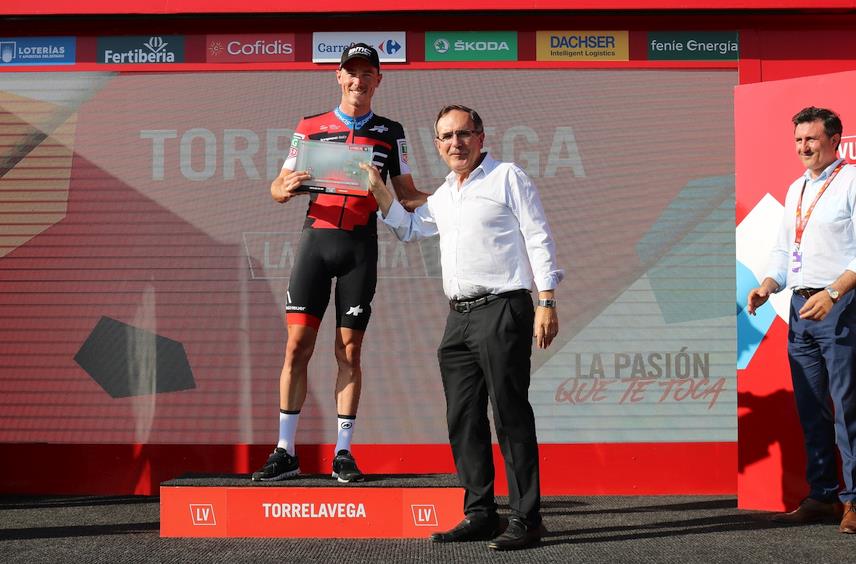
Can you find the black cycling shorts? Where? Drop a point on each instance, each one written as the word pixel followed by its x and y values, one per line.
pixel 324 254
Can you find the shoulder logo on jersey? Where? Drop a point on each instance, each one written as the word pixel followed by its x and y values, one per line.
pixel 402 150
pixel 295 141
pixel 379 128
pixel 331 127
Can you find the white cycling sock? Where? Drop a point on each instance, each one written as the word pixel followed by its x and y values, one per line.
pixel 287 429
pixel 346 431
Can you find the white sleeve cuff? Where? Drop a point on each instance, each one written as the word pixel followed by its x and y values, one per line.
pixel 395 216
pixel 550 281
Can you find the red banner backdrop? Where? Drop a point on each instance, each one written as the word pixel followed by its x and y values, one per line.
pixel 771 457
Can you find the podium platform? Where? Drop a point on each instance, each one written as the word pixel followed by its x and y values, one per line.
pixel 312 506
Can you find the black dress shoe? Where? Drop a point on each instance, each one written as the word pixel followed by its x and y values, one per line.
pixel 470 529
pixel 517 536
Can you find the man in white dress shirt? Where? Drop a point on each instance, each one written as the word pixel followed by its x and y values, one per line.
pixel 815 257
pixel 494 244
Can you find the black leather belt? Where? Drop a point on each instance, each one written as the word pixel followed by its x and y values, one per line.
pixel 807 292
pixel 465 306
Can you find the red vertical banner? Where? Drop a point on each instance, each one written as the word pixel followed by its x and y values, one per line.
pixel 771 457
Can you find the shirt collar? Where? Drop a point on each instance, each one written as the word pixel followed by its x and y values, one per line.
pixel 824 175
pixel 488 164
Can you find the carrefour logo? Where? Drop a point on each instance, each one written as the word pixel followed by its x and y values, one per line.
pixel 328 46
pixel 390 46
pixel 471 46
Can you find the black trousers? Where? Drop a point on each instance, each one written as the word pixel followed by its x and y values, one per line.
pixel 485 353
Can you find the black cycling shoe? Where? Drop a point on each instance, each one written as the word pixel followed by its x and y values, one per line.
pixel 345 468
pixel 279 466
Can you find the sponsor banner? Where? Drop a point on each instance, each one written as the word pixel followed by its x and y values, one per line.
pixel 25 51
pixel 135 50
pixel 327 46
pixel 249 48
pixel 471 46
pixel 582 46
pixel 693 45
pixel 300 512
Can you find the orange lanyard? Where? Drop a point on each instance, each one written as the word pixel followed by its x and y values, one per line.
pixel 803 221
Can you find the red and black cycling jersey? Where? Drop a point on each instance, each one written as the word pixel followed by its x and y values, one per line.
pixel 351 213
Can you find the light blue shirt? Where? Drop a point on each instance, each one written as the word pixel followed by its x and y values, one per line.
pixel 494 236
pixel 828 244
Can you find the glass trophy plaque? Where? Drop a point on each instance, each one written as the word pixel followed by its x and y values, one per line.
pixel 335 167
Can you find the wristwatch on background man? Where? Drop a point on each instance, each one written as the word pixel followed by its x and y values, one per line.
pixel 833 293
pixel 551 303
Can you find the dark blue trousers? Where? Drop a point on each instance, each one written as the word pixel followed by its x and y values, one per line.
pixel 822 356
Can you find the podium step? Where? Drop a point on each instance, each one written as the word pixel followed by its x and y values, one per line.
pixel 312 506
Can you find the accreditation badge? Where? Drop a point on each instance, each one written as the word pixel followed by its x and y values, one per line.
pixel 796 259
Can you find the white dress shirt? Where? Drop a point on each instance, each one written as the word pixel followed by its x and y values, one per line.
pixel 493 234
pixel 828 244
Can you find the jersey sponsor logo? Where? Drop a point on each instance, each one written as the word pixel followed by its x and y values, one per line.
pixel 333 138
pixel 379 128
pixel 295 143
pixel 355 311
pixel 331 127
pixel 402 150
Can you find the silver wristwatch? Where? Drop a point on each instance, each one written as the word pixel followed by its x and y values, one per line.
pixel 551 303
pixel 833 293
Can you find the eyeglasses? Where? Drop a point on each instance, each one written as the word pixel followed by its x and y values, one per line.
pixel 462 134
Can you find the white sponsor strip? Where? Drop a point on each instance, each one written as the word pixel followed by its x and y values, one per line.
pixel 327 46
